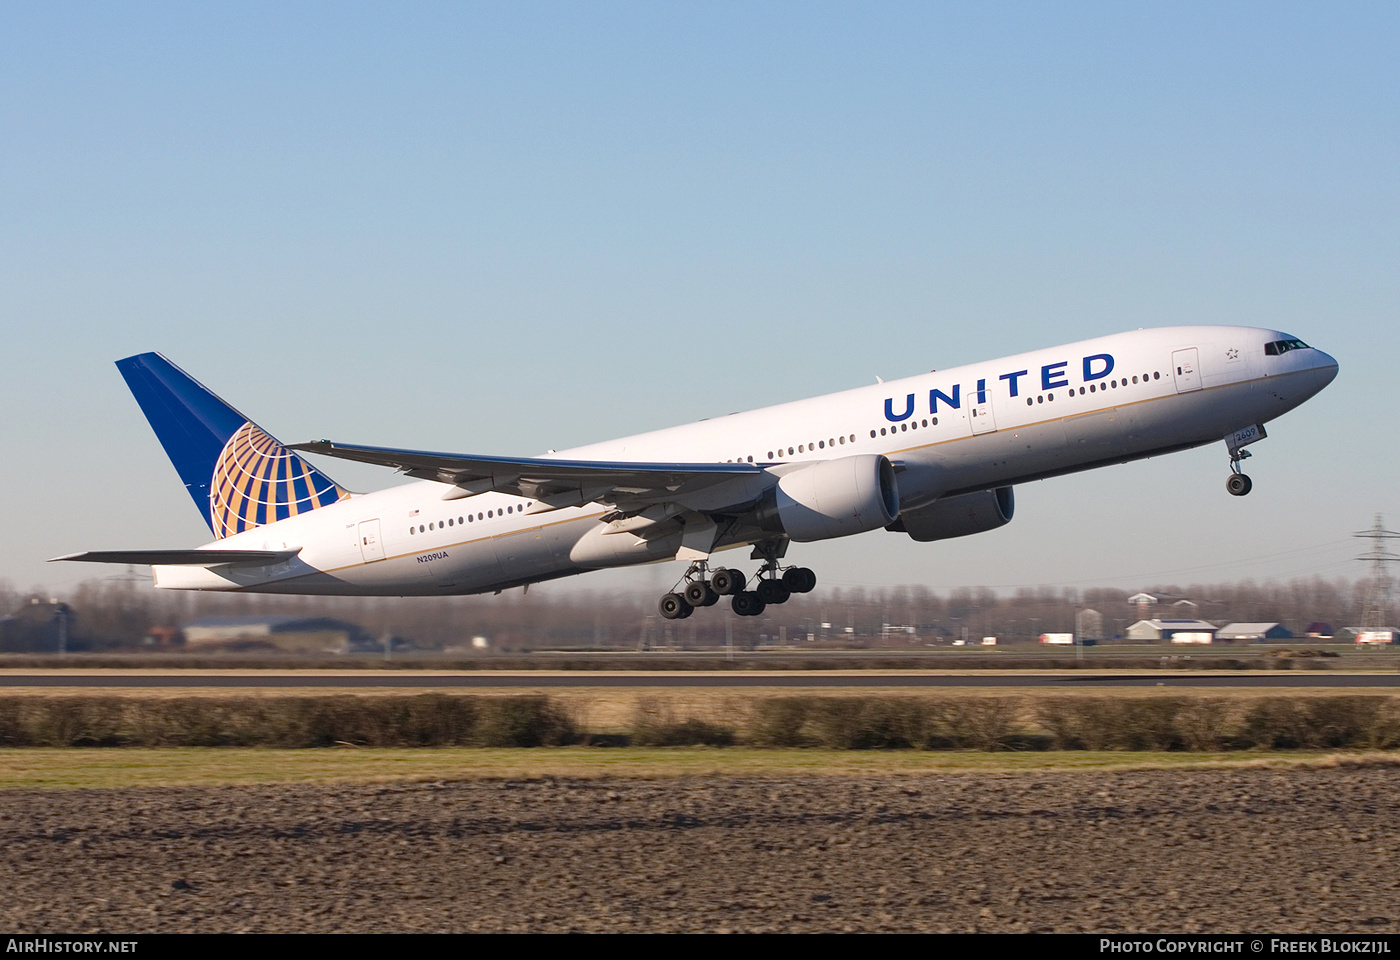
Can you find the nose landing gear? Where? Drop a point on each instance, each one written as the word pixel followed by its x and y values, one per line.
pixel 1238 483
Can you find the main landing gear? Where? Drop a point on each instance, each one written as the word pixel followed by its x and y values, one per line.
pixel 703 588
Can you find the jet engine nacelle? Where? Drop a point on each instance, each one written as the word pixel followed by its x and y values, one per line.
pixel 958 516
pixel 834 498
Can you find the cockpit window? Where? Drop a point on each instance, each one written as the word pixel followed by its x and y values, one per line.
pixel 1279 347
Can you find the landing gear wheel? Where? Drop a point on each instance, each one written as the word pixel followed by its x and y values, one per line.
pixel 727 583
pixel 800 579
pixel 698 593
pixel 1239 484
pixel 747 604
pixel 773 591
pixel 674 607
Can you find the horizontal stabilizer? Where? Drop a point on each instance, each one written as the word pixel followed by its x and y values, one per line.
pixel 184 558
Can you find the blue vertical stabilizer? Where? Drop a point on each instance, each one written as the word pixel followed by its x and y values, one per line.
pixel 239 476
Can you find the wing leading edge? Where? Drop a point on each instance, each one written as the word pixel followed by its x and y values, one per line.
pixel 555 483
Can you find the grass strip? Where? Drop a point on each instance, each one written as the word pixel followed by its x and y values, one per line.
pixel 70 768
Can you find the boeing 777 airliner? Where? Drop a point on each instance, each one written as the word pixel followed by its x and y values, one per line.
pixel 930 457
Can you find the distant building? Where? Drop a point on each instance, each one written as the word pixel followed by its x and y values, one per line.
pixel 1145 603
pixel 1088 625
pixel 1148 606
pixel 294 634
pixel 1157 631
pixel 38 626
pixel 163 638
pixel 1254 632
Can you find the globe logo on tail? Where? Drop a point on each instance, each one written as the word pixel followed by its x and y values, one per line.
pixel 257 481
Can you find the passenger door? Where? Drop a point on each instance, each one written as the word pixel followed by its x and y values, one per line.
pixel 1186 370
pixel 981 417
pixel 371 546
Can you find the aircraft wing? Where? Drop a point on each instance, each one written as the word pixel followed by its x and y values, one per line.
pixel 555 483
pixel 183 558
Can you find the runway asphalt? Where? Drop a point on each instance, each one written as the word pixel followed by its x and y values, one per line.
pixel 583 680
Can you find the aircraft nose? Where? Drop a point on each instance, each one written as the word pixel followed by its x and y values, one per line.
pixel 1325 370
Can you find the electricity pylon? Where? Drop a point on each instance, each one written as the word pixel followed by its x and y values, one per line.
pixel 1376 613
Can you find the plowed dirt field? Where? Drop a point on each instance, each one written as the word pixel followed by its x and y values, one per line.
pixel 1296 850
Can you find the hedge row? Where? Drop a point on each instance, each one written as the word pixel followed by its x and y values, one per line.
pixel 1079 723
pixel 843 723
pixel 429 720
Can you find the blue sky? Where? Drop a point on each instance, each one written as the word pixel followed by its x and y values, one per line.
pixel 502 228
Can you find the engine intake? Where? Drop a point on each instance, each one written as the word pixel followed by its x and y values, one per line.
pixel 834 498
pixel 958 516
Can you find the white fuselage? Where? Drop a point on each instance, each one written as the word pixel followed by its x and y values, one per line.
pixel 966 429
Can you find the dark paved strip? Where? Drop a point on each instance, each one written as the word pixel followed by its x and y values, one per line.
pixel 587 680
